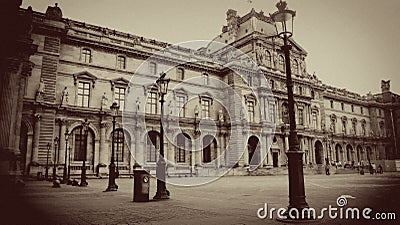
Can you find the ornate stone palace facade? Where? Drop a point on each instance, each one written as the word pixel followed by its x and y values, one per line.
pixel 77 70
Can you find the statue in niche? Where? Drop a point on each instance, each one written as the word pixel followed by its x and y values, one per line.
pixel 137 104
pixel 220 115
pixel 40 90
pixel 259 55
pixel 104 101
pixel 64 97
pixel 196 111
pixel 275 58
pixel 170 107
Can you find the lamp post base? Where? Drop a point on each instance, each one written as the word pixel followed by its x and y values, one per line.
pixel 112 188
pixel 83 184
pixel 163 195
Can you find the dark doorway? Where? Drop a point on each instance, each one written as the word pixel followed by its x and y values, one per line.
pixel 209 148
pixel 254 152
pixel 319 155
pixel 275 159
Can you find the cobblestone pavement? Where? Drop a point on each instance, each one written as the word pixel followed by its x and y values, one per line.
pixel 229 200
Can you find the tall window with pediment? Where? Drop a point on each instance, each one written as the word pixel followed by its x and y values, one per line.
pixel 314 119
pixel 250 110
pixel 119 97
pixel 83 94
pixel 301 116
pixel 205 108
pixel 272 112
pixel 180 105
pixel 152 103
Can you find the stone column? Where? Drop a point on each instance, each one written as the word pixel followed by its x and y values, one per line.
pixel 8 111
pixel 61 153
pixel 263 113
pixel 222 149
pixel 263 148
pixel 246 156
pixel 36 134
pixel 28 158
pixel 103 158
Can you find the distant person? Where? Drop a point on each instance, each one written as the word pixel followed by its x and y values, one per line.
pixel 327 167
pixel 380 169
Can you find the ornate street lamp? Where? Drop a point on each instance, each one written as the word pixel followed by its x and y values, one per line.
pixel 283 19
pixel 65 176
pixel 46 175
pixel 162 193
pixel 69 165
pixel 85 128
pixel 55 182
pixel 111 174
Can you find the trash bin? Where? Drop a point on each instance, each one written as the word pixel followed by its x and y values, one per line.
pixel 141 185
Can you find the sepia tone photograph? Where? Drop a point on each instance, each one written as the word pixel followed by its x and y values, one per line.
pixel 199 112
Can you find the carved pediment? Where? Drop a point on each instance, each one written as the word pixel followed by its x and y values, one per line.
pixel 85 76
pixel 119 82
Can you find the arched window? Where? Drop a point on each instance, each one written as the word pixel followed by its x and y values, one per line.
pixel 152 145
pixel 209 146
pixel 180 74
pixel 119 145
pixel 83 148
pixel 183 145
pixel 281 65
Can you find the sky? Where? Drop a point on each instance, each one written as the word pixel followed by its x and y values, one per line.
pixel 352 44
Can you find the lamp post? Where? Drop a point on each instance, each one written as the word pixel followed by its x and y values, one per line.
pixel 162 85
pixel 56 183
pixel 55 158
pixel 112 174
pixel 283 19
pixel 46 175
pixel 85 127
pixel 69 164
pixel 65 176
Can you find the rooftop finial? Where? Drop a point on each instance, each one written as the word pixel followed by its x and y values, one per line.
pixel 281 5
pixel 56 4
